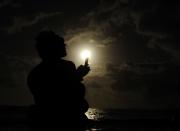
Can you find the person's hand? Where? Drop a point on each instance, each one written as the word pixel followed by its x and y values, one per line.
pixel 83 70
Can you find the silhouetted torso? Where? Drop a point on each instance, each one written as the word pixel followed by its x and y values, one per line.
pixel 58 92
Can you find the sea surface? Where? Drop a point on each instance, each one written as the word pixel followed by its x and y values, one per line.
pixel 14 119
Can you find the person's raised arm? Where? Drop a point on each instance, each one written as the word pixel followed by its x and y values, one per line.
pixel 83 70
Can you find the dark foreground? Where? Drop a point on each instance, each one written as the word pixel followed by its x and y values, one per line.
pixel 15 119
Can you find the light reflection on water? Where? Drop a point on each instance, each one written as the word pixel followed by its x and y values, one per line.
pixel 94 114
pixel 130 120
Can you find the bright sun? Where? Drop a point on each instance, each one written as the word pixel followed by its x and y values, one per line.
pixel 85 54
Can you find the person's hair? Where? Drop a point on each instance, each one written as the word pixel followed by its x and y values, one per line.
pixel 48 44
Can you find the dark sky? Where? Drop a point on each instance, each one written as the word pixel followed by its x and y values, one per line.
pixel 135 46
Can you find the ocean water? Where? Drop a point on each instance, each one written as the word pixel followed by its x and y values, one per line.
pixel 131 120
pixel 14 119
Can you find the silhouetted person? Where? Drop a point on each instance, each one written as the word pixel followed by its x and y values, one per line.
pixel 56 87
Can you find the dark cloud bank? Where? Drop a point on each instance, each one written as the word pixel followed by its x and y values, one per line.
pixel 138 39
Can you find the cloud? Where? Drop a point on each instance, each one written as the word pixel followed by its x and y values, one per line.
pixel 134 85
pixel 5 3
pixel 124 78
pixel 158 17
pixel 14 71
pixel 11 3
pixel 95 82
pixel 20 22
pixel 103 22
pixel 151 84
pixel 132 25
pixel 160 21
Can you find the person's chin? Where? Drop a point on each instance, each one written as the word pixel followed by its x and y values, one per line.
pixel 64 54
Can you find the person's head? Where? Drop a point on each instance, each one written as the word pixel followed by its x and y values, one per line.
pixel 50 46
